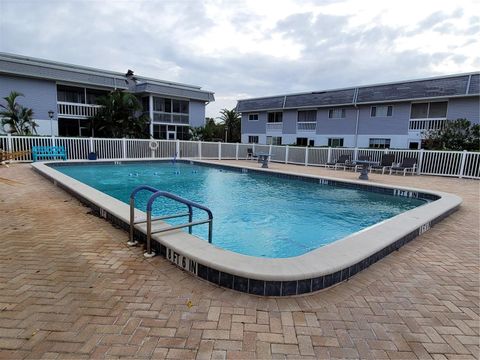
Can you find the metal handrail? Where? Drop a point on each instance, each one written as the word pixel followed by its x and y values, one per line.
pixel 131 239
pixel 156 194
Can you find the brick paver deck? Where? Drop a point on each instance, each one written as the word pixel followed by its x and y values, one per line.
pixel 71 288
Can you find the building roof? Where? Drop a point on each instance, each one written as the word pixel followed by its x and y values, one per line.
pixel 459 85
pixel 19 65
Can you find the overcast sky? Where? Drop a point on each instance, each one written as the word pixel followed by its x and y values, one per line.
pixel 241 49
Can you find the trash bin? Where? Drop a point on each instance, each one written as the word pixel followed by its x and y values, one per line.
pixel 92 156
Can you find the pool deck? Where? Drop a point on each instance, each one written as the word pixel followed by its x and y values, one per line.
pixel 71 288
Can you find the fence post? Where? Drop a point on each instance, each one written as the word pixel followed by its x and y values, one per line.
pixel 462 164
pixel 177 149
pixel 236 151
pixel 270 150
pixel 286 154
pixel 420 162
pixel 9 142
pixel 53 140
pixel 355 154
pixel 124 148
pixel 219 150
pixel 329 155
pixel 306 155
pixel 200 150
pixel 90 144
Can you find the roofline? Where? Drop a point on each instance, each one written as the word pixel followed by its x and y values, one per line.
pixel 87 70
pixel 362 103
pixel 365 86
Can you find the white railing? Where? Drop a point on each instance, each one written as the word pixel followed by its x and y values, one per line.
pixel 426 124
pixel 445 163
pixel 275 127
pixel 75 110
pixel 306 126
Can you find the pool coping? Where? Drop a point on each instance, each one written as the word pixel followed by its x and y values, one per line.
pixel 309 272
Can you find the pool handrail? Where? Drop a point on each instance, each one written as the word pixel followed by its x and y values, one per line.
pixel 156 194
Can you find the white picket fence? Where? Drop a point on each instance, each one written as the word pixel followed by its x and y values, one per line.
pixel 461 164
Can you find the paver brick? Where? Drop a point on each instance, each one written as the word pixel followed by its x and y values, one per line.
pixel 84 294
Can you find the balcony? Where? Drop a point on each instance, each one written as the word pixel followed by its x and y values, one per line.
pixel 426 124
pixel 307 126
pixel 76 110
pixel 275 127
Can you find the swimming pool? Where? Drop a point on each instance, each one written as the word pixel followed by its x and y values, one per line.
pixel 313 270
pixel 254 214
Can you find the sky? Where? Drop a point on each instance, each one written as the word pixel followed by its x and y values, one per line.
pixel 251 48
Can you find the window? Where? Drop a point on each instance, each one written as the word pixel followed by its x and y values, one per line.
pixel 170 110
pixel 252 117
pixel 71 94
pixel 74 127
pixel 429 110
pixel 93 95
pixel 275 117
pixel 379 143
pixel 438 110
pixel 413 145
pixel 253 139
pixel 302 141
pixel 307 116
pixel 336 113
pixel 274 140
pixel 145 104
pixel 381 111
pixel 335 142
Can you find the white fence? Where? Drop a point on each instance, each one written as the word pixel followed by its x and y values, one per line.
pixel 444 163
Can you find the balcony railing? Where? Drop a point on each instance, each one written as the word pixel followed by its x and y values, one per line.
pixel 306 126
pixel 426 124
pixel 275 127
pixel 76 110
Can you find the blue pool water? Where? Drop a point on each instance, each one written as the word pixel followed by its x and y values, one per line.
pixel 254 214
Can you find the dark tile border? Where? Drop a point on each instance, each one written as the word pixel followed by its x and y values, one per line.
pixel 265 287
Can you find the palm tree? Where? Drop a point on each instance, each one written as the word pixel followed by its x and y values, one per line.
pixel 17 118
pixel 232 121
pixel 120 116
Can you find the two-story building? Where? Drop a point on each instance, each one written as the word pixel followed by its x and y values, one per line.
pixel 396 115
pixel 63 96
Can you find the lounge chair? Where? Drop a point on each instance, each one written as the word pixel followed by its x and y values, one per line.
pixel 340 162
pixel 408 164
pixel 250 154
pixel 385 164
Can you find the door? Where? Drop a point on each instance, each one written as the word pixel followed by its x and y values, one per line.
pixel 171 135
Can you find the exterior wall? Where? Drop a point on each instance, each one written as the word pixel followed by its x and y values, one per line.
pixel 39 95
pixel 262 138
pixel 345 125
pixel 465 108
pixel 290 123
pixel 396 141
pixel 397 124
pixel 196 113
pixel 254 127
pixel 348 139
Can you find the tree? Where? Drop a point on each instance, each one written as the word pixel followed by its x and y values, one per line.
pixel 120 116
pixel 210 132
pixel 17 118
pixel 455 135
pixel 232 121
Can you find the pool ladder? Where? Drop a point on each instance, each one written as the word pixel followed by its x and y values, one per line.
pixel 155 195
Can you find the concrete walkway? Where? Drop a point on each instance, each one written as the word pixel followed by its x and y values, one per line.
pixel 70 288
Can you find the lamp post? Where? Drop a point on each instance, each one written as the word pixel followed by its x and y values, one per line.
pixel 50 115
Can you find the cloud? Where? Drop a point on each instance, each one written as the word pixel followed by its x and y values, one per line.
pixel 250 48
